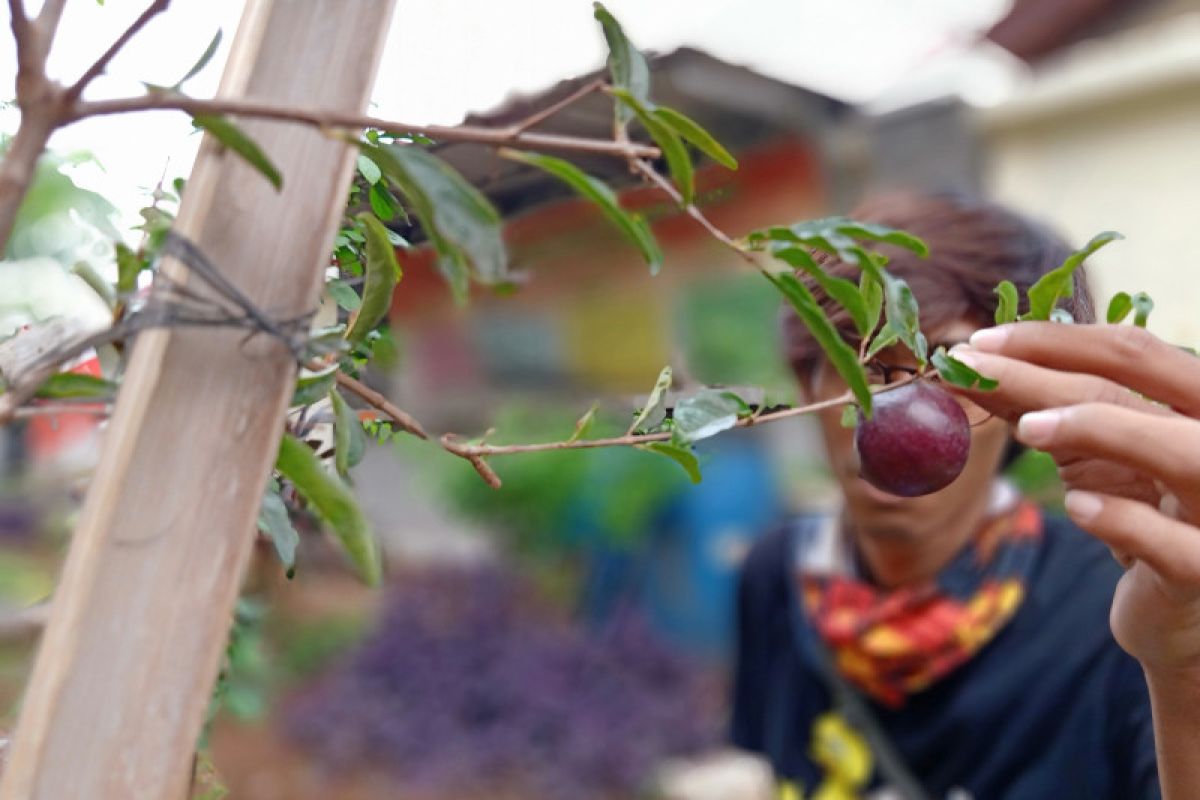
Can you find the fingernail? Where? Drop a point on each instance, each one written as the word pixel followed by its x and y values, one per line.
pixel 989 339
pixel 1038 427
pixel 1082 506
pixel 966 355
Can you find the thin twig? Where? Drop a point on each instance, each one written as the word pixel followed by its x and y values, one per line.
pixel 336 119
pixel 541 116
pixel 645 169
pixel 91 408
pixel 398 415
pixel 76 89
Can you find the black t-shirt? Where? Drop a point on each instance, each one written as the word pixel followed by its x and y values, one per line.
pixel 1050 708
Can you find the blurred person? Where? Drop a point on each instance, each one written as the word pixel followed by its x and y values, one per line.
pixel 954 645
pixel 1119 410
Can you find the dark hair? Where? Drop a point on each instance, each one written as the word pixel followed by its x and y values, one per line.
pixel 973 245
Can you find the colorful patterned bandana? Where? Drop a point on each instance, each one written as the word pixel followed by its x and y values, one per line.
pixel 893 643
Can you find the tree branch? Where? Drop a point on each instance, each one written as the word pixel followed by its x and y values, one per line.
pixel 550 110
pixel 398 415
pixel 331 119
pixel 76 89
pixel 649 172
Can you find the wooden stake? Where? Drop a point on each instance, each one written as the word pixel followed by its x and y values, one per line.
pixel 140 618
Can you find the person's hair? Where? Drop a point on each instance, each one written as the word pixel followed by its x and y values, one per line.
pixel 973 245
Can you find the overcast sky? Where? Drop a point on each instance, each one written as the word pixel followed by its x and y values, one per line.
pixel 446 58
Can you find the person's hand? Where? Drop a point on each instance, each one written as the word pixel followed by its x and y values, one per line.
pixel 1118 411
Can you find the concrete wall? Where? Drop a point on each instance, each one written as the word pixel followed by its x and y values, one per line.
pixel 1109 138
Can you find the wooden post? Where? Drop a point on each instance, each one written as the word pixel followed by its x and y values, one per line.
pixel 141 614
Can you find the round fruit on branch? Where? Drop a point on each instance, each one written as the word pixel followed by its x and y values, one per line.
pixel 916 441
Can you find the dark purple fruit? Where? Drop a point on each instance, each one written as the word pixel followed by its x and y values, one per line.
pixel 916 442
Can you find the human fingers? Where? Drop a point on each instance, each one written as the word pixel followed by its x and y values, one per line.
pixel 1023 386
pixel 1135 530
pixel 1166 448
pixel 1127 355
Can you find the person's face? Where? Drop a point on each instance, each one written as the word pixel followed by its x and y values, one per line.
pixel 875 513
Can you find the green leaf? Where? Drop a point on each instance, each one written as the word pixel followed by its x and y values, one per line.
pixel 1057 283
pixel 840 236
pixel 230 135
pixel 201 62
pixel 655 409
pixel 312 386
pixel 903 316
pixel 681 455
pixel 1006 310
pixel 849 417
pixel 886 337
pixel 382 202
pixel 343 294
pixel 679 163
pixel 584 423
pixel 332 500
pixel 349 441
pixel 843 291
pixel 462 225
pixel 273 520
pixel 957 373
pixel 840 354
pixel 368 169
pixel 634 227
pixel 383 273
pixel 1119 307
pixel 625 62
pixel 1142 306
pixel 701 139
pixel 67 385
pixel 129 266
pixel 705 414
pixel 872 294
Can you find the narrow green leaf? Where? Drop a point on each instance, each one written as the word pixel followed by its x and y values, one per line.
pixel 625 62
pixel 230 135
pixel 129 265
pixel 201 62
pixel 1057 283
pixel 886 337
pixel 655 409
pixel 312 386
pixel 382 202
pixel 383 272
pixel 1006 310
pixel 841 290
pixel 634 227
pixel 872 294
pixel 368 169
pixel 273 520
pixel 957 373
pixel 903 316
pixel 679 163
pixel 1119 307
pixel 584 423
pixel 1142 306
pixel 682 456
pixel 840 354
pixel 462 225
pixel 705 414
pixel 332 500
pixel 343 294
pixel 849 417
pixel 349 441
pixel 701 139
pixel 66 385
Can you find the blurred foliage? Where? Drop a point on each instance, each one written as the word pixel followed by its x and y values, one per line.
pixel 729 328
pixel 1035 474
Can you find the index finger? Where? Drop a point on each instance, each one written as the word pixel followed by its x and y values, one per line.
pixel 1130 356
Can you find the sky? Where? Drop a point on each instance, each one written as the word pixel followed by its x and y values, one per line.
pixel 446 58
